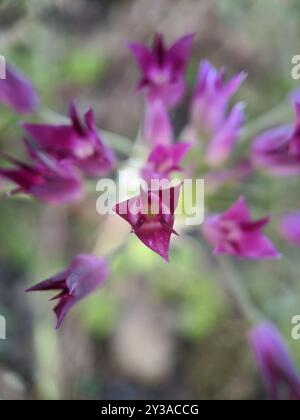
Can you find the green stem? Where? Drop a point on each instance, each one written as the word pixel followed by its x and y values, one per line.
pixel 237 290
pixel 118 143
pixel 276 116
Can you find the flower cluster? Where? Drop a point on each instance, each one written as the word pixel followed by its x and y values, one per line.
pixel 61 155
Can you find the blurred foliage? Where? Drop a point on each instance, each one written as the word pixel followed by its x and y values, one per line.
pixel 86 62
pixel 100 313
pixel 83 68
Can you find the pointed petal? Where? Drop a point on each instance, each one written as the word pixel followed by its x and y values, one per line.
pixel 274 359
pixel 179 52
pixel 129 210
pixel 159 154
pixel 143 56
pixel 23 177
pixel 221 146
pixel 238 211
pixel 89 118
pixel 17 92
pixel 297 109
pixel 58 182
pixel 234 84
pixel 256 225
pixel 289 227
pixel 74 116
pixel 62 308
pixel 58 191
pixel 211 100
pixel 271 151
pixel 257 246
pixel 57 140
pixel 157 240
pixel 84 274
pixel 159 49
pixel 52 283
pixel 206 72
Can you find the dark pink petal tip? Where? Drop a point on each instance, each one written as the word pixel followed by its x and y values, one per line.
pixel 17 92
pixel 84 275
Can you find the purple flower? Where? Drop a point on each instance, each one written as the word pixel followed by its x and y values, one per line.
pixel 278 150
pixel 78 142
pixel 221 145
pixel 46 179
pixel 163 68
pixel 84 275
pixel 277 367
pixel 234 233
pixel 164 160
pixel 151 216
pixel 17 92
pixel 158 128
pixel 289 227
pixel 209 112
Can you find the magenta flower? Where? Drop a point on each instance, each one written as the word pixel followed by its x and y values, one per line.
pixel 289 227
pixel 278 150
pixel 84 275
pixel 163 68
pixel 46 179
pixel 151 216
pixel 17 92
pixel 164 160
pixel 78 142
pixel 210 116
pixel 158 128
pixel 221 145
pixel 277 367
pixel 234 233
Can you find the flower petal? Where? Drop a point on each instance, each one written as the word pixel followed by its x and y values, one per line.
pixel 17 92
pixel 221 146
pixel 275 362
pixel 289 227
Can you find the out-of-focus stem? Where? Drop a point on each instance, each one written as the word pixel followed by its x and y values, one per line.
pixel 237 290
pixel 233 284
pixel 277 115
pixel 118 143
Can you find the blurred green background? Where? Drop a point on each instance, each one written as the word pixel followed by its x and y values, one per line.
pixel 156 330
